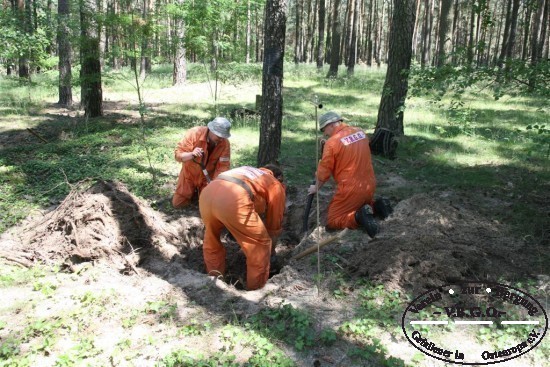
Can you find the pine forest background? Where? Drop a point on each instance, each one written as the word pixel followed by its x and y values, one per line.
pixel 485 37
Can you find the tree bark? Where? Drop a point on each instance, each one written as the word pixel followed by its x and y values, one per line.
pixel 526 26
pixel 507 23
pixel 455 37
pixel 442 32
pixel 64 51
pixel 297 30
pixel 427 37
pixel 90 72
pixel 179 75
pixel 369 35
pixel 348 25
pixel 272 82
pixel 23 16
pixel 321 37
pixel 145 64
pixel 328 41
pixel 248 32
pixel 511 42
pixel 353 44
pixel 392 103
pixel 539 41
pixel 308 33
pixel 335 47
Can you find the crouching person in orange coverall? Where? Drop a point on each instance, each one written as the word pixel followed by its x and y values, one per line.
pixel 346 156
pixel 235 200
pixel 202 148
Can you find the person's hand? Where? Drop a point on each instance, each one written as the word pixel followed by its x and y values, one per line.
pixel 197 152
pixel 312 189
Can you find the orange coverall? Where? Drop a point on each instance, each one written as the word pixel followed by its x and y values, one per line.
pixel 347 158
pixel 227 204
pixel 216 161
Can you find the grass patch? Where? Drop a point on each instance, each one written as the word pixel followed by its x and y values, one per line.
pixel 476 144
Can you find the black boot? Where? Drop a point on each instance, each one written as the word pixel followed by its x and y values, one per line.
pixel 365 219
pixel 382 208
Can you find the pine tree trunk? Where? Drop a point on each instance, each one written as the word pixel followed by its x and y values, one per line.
pixel 308 33
pixel 425 34
pixel 455 38
pixel 369 34
pixel 335 46
pixel 392 103
pixel 297 30
pixel 64 51
pixel 513 30
pixel 179 74
pixel 526 26
pixel 90 73
pixel 145 63
pixel 545 46
pixel 272 82
pixel 379 47
pixel 539 41
pixel 442 32
pixel 321 38
pixel 507 23
pixel 353 44
pixel 348 25
pixel 248 30
pixel 23 16
pixel 328 41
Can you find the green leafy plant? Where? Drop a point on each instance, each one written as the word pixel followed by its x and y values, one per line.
pixel 379 308
pixel 184 358
pixel 166 311
pixel 9 348
pixel 328 336
pixel 195 328
pixel 286 323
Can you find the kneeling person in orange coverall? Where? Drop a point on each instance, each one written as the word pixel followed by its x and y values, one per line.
pixel 346 156
pixel 235 200
pixel 202 148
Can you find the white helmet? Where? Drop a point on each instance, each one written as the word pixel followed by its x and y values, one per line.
pixel 220 126
pixel 329 118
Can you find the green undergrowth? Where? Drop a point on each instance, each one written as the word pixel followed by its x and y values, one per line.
pixel 495 149
pixel 475 143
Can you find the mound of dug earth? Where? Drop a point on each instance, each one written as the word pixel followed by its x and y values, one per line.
pixel 430 241
pixel 103 223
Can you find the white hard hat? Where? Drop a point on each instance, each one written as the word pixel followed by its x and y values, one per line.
pixel 329 118
pixel 220 126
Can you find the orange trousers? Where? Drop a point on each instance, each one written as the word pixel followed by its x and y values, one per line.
pixel 348 198
pixel 225 204
pixel 186 191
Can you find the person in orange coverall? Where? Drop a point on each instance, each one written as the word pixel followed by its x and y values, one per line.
pixel 346 156
pixel 235 200
pixel 202 147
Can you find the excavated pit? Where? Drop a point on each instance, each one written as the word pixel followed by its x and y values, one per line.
pixel 429 240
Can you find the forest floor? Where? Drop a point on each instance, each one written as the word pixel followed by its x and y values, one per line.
pixel 119 281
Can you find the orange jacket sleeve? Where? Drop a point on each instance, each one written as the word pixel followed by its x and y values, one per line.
pixel 276 199
pixel 326 165
pixel 221 157
pixel 188 142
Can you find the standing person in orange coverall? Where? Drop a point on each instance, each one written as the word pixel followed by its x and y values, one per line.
pixel 235 200
pixel 346 156
pixel 203 147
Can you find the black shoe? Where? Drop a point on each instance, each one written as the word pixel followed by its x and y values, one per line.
pixel 365 219
pixel 382 208
pixel 274 266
